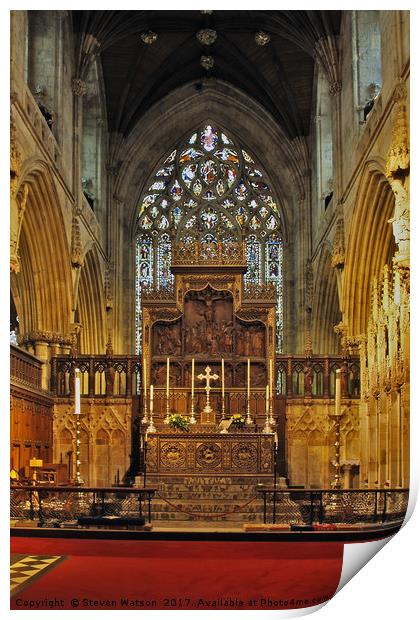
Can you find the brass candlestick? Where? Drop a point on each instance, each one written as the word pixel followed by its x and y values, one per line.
pixel 151 428
pixel 145 418
pixel 167 409
pixel 267 427
pixel 271 420
pixel 248 410
pixel 192 416
pixel 223 406
pixel 79 479
pixel 336 482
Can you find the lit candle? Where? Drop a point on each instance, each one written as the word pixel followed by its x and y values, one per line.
pixel 223 378
pixel 151 398
pixel 192 377
pixel 267 398
pixel 77 392
pixel 167 377
pixel 338 392
pixel 248 378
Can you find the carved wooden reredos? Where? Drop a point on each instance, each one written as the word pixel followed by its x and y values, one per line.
pixel 209 316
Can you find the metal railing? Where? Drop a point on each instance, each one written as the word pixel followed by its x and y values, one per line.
pixel 333 506
pixel 54 505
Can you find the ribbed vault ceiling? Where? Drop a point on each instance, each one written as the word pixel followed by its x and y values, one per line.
pixel 278 75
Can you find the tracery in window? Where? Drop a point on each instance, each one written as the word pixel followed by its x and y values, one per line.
pixel 207 189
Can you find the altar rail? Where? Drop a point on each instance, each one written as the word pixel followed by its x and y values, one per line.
pixel 120 376
pixel 336 506
pixel 58 504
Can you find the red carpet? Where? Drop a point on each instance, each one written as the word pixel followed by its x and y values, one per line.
pixel 181 575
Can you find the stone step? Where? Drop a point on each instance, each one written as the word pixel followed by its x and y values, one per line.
pixel 216 498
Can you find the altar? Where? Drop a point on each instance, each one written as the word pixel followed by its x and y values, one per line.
pixel 234 454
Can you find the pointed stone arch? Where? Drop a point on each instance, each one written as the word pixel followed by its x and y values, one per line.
pixel 90 305
pixel 43 285
pixel 370 245
pixel 326 308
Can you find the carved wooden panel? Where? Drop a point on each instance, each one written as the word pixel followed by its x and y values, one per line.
pixel 167 338
pixel 210 453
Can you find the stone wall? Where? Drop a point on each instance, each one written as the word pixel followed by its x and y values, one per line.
pixel 310 443
pixel 105 438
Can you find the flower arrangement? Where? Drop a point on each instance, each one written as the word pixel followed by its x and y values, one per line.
pixel 238 420
pixel 176 420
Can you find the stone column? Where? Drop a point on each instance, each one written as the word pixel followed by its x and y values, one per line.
pixel 364 439
pixel 346 471
pixel 41 352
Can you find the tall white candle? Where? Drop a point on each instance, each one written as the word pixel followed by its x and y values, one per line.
pixel 167 377
pixel 77 392
pixel 338 392
pixel 248 391
pixel 192 377
pixel 151 398
pixel 267 398
pixel 223 378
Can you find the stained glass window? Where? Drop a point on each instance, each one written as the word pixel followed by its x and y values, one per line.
pixel 274 274
pixel 144 276
pixel 165 277
pixel 253 258
pixel 209 187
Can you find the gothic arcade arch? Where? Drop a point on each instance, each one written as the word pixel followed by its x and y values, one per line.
pixel 43 285
pixel 370 246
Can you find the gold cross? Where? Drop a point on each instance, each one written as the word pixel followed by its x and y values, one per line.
pixel 208 377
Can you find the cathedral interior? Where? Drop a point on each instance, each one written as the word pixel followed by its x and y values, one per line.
pixel 209 259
